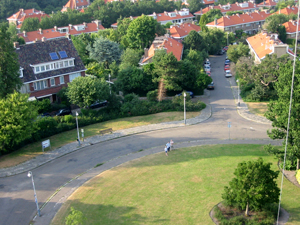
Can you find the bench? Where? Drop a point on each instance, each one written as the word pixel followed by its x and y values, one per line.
pixel 109 130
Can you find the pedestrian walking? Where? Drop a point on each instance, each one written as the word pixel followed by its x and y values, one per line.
pixel 168 146
pixel 171 143
pixel 166 151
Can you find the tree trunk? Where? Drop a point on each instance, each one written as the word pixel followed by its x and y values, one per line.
pixel 161 90
pixel 298 164
pixel 247 210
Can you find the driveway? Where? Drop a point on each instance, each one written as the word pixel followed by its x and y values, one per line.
pixel 17 202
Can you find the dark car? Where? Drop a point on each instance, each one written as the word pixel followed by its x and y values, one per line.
pixel 189 92
pixel 211 86
pixel 45 114
pixel 64 112
pixel 98 104
pixel 225 48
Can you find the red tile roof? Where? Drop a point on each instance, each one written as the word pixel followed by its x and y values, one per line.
pixel 208 2
pixel 226 21
pixel 75 4
pixel 268 3
pixel 291 26
pixel 263 44
pixel 229 7
pixel 21 13
pixel 181 31
pixel 170 44
pixel 288 10
pixel 55 32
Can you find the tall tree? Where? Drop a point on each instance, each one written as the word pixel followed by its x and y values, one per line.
pixel 274 21
pixel 9 65
pixel 83 91
pixel 253 187
pixel 213 14
pixel 234 52
pixel 141 32
pixel 194 41
pixel 30 24
pixel 130 57
pixel 203 22
pixel 278 113
pixel 104 51
pixel 16 120
pixel 195 5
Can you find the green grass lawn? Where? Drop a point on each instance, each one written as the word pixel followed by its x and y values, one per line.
pixel 34 149
pixel 179 189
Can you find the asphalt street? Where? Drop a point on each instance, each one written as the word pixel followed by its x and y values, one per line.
pixel 16 192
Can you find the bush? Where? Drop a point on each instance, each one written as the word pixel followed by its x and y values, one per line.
pixel 152 95
pixel 43 105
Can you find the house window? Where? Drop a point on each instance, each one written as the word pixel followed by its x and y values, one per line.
pixel 37 69
pixel 248 24
pixel 73 76
pixel 61 79
pixel 40 85
pixel 42 68
pixel 257 23
pixel 48 67
pixel 52 81
pixel 61 65
pixel 71 62
pixel 66 63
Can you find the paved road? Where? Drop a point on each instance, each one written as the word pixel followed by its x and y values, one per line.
pixel 17 205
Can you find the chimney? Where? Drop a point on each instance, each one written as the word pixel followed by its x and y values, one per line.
pixel 55 28
pixel 41 31
pixel 33 10
pixel 98 23
pixel 84 24
pixel 146 52
pixel 24 33
pixel 43 39
pixel 193 22
pixel 131 17
pixel 216 22
pixel 71 26
pixel 165 13
pixel 16 45
pixel 176 11
pixel 170 43
pixel 68 36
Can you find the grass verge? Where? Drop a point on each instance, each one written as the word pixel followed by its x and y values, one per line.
pixel 179 189
pixel 258 108
pixel 34 149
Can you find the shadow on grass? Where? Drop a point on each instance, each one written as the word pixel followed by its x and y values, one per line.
pixel 104 214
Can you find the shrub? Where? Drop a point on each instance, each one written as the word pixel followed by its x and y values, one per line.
pixel 68 119
pixel 152 95
pixel 43 105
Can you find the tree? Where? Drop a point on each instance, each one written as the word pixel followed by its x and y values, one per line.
pixel 195 5
pixel 194 41
pixel 130 57
pixel 278 113
pixel 167 67
pixel 213 14
pixel 213 40
pixel 203 22
pixel 12 29
pixel 104 51
pixel 234 52
pixel 30 24
pixel 75 217
pixel 16 120
pixel 196 57
pixel 274 21
pixel 230 13
pixel 9 65
pixel 141 32
pixel 253 187
pixel 282 33
pixel 83 91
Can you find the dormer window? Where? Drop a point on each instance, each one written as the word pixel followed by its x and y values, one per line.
pixel 21 71
pixel 59 64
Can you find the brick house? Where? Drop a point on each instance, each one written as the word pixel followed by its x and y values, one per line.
pixel 162 43
pixel 61 32
pixel 76 4
pixel 264 43
pixel 291 29
pixel 47 67
pixel 238 6
pixel 268 3
pixel 250 23
pixel 288 10
pixel 179 32
pixel 19 17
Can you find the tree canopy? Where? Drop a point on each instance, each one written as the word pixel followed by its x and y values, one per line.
pixel 84 91
pixel 194 41
pixel 234 52
pixel 213 14
pixel 253 187
pixel 9 64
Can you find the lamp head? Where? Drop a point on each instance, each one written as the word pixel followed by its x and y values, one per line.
pixel 29 174
pixel 76 113
pixel 184 94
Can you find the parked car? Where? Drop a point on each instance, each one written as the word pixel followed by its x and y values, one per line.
pixel 189 92
pixel 207 68
pixel 98 104
pixel 207 62
pixel 211 86
pixel 225 48
pixel 220 52
pixel 208 73
pixel 226 67
pixel 45 114
pixel 228 73
pixel 64 112
pixel 227 62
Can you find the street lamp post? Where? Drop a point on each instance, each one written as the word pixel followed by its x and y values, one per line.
pixel 78 138
pixel 109 84
pixel 29 174
pixel 184 95
pixel 238 92
pixel 227 38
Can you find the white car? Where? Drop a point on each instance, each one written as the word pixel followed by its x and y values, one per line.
pixel 228 73
pixel 207 62
pixel 207 68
